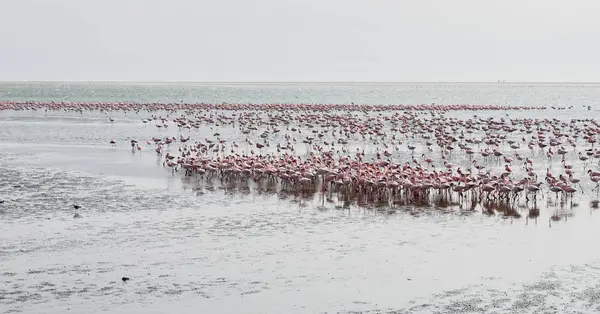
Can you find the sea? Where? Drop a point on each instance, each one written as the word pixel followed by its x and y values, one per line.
pixel 212 250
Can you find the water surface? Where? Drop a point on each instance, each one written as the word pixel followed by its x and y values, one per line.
pixel 190 250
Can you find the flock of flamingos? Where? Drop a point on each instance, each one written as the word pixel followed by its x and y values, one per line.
pixel 380 156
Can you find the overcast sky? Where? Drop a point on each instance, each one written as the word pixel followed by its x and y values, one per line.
pixel 300 40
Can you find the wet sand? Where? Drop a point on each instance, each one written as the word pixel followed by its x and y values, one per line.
pixel 189 249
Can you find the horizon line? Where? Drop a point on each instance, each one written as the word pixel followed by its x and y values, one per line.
pixel 306 82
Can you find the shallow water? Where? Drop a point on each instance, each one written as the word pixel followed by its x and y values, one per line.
pixel 189 249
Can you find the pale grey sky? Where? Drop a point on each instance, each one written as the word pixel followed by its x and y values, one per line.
pixel 300 40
